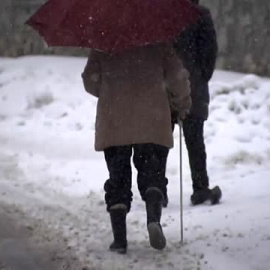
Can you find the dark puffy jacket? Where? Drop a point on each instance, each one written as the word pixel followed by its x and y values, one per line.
pixel 197 47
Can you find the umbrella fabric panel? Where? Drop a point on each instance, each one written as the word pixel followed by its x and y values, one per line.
pixel 112 25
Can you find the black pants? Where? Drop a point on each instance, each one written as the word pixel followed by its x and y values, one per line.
pixel 193 132
pixel 150 161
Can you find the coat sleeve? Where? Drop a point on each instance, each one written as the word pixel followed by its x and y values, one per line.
pixel 177 83
pixel 92 74
pixel 207 45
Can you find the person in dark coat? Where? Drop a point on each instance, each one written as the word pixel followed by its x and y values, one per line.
pixel 197 48
pixel 134 117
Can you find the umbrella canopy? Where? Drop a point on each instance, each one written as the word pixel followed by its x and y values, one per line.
pixel 112 25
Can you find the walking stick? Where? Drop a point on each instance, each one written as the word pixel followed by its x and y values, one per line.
pixel 181 183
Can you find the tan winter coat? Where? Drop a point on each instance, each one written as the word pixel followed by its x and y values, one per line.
pixel 132 89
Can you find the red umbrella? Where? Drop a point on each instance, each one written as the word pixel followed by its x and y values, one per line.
pixel 112 25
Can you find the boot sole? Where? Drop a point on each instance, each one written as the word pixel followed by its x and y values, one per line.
pixel 119 250
pixel 156 236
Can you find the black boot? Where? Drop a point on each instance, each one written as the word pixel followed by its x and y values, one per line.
pixel 205 194
pixel 154 199
pixel 200 196
pixel 118 214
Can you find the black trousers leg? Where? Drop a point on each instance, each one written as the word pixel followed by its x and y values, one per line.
pixel 118 186
pixel 193 133
pixel 150 161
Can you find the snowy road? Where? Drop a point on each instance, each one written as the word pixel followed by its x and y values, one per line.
pixel 24 246
pixel 50 172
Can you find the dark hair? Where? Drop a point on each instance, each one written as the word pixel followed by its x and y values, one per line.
pixel 195 1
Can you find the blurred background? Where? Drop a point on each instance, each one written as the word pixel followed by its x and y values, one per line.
pixel 242 27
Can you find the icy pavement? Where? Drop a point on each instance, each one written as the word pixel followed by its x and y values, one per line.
pixel 20 248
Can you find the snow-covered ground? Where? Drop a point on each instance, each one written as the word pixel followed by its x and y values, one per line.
pixel 49 169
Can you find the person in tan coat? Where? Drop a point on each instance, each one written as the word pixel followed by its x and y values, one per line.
pixel 135 90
